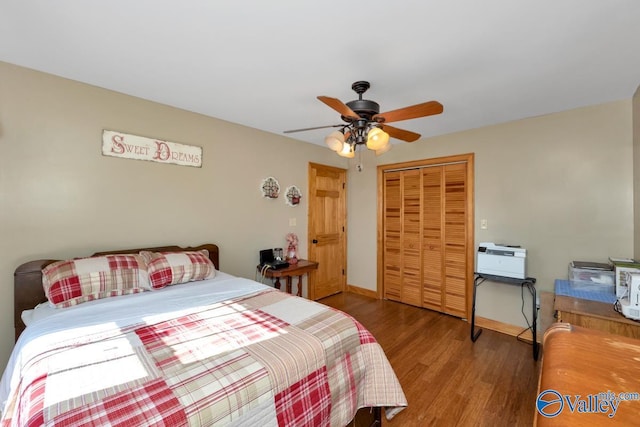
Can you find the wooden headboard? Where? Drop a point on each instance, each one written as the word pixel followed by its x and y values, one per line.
pixel 27 279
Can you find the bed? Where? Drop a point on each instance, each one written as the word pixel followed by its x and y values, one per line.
pixel 213 350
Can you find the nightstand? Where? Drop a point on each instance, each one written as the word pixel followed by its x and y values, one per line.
pixel 302 267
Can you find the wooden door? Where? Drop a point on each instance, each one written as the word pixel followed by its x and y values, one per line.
pixel 455 239
pixel 445 238
pixel 432 260
pixel 327 230
pixel 392 231
pixel 403 236
pixel 411 238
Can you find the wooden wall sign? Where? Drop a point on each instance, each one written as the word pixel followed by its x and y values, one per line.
pixel 118 144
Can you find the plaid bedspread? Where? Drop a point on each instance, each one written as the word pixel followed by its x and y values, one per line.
pixel 266 359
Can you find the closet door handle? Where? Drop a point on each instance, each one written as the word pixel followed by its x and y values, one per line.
pixel 314 241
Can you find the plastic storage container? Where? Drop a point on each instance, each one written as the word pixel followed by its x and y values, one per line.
pixel 588 279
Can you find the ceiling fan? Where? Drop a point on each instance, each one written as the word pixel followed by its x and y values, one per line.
pixel 364 124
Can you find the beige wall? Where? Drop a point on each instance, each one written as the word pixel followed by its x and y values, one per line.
pixel 559 185
pixel 636 172
pixel 59 197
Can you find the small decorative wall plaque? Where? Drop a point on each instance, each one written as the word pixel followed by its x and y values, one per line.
pixel 118 144
pixel 293 195
pixel 270 188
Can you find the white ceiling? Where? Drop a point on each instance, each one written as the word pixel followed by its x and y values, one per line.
pixel 262 63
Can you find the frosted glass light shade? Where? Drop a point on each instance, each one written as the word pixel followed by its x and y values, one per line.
pixel 335 140
pixel 384 149
pixel 347 151
pixel 377 138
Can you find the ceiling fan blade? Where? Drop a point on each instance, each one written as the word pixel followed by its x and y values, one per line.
pixel 413 112
pixel 404 135
pixel 313 128
pixel 339 106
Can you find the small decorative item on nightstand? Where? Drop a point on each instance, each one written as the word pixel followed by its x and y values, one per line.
pixel 292 248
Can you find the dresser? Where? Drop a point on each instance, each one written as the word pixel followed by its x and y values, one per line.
pixel 592 310
pixel 588 378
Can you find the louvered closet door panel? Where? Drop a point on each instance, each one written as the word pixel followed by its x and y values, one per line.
pixel 455 210
pixel 411 238
pixel 392 233
pixel 432 296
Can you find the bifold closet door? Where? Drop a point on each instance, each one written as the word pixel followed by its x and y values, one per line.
pixel 432 249
pixel 427 231
pixel 392 230
pixel 411 265
pixel 444 243
pixel 455 239
pixel 403 237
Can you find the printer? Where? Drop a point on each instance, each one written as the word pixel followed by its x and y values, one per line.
pixel 502 260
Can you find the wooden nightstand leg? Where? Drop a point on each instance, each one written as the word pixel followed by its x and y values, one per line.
pixel 277 284
pixel 288 284
pixel 299 293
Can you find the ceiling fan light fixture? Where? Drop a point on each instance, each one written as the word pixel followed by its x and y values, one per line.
pixel 335 141
pixel 377 139
pixel 347 151
pixel 364 124
pixel 383 149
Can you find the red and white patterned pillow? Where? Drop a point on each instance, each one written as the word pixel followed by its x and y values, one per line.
pixel 73 282
pixel 172 268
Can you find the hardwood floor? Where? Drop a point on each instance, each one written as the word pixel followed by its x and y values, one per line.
pixel 447 379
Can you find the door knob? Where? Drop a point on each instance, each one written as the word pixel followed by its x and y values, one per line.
pixel 314 241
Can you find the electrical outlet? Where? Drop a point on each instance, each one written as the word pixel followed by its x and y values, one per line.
pixel 292 222
pixel 484 224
